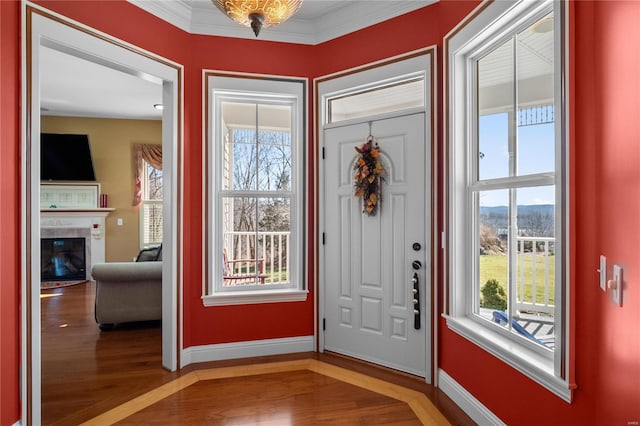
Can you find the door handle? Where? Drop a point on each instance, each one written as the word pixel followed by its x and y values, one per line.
pixel 416 301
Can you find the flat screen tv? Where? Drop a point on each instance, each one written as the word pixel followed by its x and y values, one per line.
pixel 65 157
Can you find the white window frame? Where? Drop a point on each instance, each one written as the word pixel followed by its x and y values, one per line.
pixel 463 47
pixel 146 201
pixel 221 87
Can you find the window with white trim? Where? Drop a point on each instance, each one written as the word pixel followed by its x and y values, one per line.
pixel 507 187
pixel 151 206
pixel 254 188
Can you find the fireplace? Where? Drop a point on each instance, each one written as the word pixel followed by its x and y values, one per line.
pixel 69 224
pixel 63 259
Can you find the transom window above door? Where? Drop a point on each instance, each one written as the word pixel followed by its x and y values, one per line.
pixel 384 97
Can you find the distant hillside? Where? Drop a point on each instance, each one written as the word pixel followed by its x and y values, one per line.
pixel 533 220
pixel 522 210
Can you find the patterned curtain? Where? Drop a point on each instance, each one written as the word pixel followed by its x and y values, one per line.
pixel 150 153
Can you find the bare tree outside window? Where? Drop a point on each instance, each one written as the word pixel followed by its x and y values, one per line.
pixel 154 183
pixel 258 225
pixel 151 206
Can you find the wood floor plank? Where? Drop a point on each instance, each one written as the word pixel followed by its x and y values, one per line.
pixel 87 373
pixel 247 383
pixel 425 410
pixel 299 397
pixel 133 406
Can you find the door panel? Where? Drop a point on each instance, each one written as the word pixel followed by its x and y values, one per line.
pixel 369 309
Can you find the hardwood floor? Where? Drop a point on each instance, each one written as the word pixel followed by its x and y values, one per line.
pixel 116 377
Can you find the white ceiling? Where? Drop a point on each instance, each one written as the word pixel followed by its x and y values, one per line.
pixel 72 86
pixel 533 67
pixel 315 22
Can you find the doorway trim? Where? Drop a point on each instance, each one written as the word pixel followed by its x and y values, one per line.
pixel 345 82
pixel 42 27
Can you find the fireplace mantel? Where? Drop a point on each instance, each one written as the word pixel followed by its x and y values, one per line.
pixel 58 217
pixel 105 210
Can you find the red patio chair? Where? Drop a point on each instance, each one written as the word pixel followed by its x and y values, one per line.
pixel 233 271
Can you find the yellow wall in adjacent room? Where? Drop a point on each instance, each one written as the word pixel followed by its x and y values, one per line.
pixel 111 143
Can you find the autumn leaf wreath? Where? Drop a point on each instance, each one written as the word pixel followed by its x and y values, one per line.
pixel 369 176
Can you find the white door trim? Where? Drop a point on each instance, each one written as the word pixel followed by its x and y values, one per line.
pixel 351 80
pixel 58 32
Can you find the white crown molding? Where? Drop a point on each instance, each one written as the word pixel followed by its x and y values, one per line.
pixel 177 13
pixel 357 15
pixel 202 17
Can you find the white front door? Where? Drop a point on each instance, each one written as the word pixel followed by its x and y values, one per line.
pixel 370 309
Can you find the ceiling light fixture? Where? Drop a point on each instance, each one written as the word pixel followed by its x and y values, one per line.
pixel 258 13
pixel 158 106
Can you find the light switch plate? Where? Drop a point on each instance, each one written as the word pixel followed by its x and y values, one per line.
pixel 603 273
pixel 616 291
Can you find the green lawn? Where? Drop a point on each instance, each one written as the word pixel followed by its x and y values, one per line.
pixel 495 266
pixel 277 276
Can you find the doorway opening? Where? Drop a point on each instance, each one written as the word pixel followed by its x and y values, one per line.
pixel 52 32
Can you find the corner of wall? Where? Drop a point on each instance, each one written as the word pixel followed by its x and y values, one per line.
pixel 474 408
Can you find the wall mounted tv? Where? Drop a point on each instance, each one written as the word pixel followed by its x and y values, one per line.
pixel 65 157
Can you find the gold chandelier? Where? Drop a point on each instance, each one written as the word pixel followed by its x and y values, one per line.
pixel 258 13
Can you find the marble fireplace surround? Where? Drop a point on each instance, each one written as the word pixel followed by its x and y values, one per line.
pixel 71 223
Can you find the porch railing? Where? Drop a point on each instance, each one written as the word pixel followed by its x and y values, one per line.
pixel 272 248
pixel 535 275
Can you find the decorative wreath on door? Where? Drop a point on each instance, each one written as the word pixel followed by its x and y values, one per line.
pixel 369 176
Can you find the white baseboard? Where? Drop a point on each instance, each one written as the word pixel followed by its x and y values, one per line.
pixel 246 349
pixel 469 404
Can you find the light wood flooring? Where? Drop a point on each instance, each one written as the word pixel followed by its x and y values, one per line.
pixel 116 377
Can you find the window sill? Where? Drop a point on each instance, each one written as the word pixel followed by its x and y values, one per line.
pixel 254 297
pixel 533 365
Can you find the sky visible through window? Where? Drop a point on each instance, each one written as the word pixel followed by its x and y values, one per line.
pixel 536 154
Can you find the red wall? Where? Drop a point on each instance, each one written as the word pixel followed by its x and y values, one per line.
pixel 9 211
pixel 250 322
pixel 604 174
pixel 607 187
